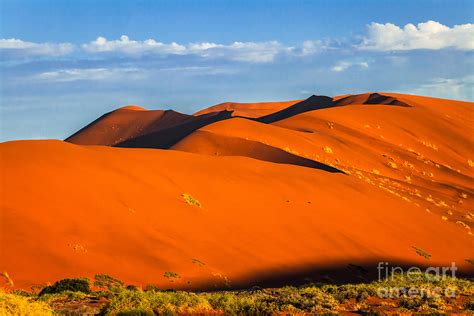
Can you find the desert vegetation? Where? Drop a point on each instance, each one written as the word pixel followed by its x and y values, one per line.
pixel 106 295
pixel 189 199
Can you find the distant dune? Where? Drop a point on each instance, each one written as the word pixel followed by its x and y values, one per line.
pixel 239 194
pixel 253 110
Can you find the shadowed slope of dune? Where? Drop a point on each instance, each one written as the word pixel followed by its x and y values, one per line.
pixel 164 138
pixel 312 103
pixel 251 110
pixel 370 98
pixel 205 142
pixel 132 126
pixel 120 212
pixel 123 124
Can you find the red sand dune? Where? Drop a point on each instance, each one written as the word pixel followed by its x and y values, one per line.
pixel 252 110
pixel 133 126
pixel 303 193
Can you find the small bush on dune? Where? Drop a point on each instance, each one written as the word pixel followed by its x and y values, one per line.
pixel 189 199
pixel 410 302
pixel 469 305
pixel 132 288
pixel 359 292
pixel 73 285
pixel 106 281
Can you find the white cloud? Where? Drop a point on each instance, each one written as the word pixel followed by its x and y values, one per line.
pixel 344 65
pixel 90 74
pixel 131 47
pixel 449 88
pixel 22 48
pixel 199 70
pixel 254 52
pixel 313 47
pixel 427 35
pixel 110 74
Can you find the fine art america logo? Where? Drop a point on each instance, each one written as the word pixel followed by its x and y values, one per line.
pixel 421 282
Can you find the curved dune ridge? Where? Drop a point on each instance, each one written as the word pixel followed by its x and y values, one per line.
pixel 252 110
pixel 227 198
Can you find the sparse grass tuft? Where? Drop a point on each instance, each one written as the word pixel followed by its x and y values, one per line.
pixel 188 198
pixel 171 275
pixel 422 253
pixel 198 262
pixel 392 165
pixel 327 150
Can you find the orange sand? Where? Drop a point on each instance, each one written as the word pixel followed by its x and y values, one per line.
pixel 249 109
pixel 274 210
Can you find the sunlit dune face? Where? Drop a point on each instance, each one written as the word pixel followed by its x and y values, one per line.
pixel 215 201
pixel 133 108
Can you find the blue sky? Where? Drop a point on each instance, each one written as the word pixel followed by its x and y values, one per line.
pixel 64 63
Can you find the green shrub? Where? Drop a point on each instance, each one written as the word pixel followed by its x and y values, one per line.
pixel 469 305
pixel 135 312
pixel 412 303
pixel 106 281
pixel 434 303
pixel 171 275
pixel 133 288
pixel 73 285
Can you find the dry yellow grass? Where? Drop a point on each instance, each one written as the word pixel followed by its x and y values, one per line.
pixel 327 150
pixel 291 151
pixel 392 165
pixel 429 145
pixel 463 224
pixel 188 198
pixel 16 305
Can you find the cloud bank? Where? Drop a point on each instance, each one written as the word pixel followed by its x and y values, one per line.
pixel 341 66
pixel 253 52
pixel 428 35
pixel 21 48
pixel 90 74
